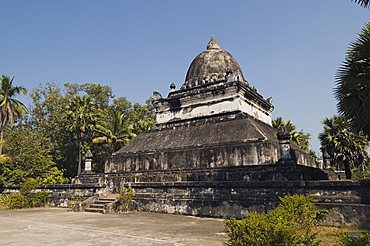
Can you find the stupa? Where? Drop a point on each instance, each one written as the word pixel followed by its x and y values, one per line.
pixel 214 152
pixel 215 120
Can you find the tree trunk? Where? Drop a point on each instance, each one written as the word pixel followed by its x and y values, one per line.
pixel 1 139
pixel 79 158
pixel 347 170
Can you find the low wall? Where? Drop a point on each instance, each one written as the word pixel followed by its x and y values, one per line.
pixel 237 173
pixel 348 201
pixel 61 195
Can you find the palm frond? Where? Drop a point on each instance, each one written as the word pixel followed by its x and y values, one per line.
pixel 363 3
pixel 353 83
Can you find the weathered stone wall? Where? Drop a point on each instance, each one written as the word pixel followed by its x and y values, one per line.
pixel 270 172
pixel 61 195
pixel 348 201
pixel 202 157
pixel 212 99
pixel 235 191
pixel 228 155
pixel 219 141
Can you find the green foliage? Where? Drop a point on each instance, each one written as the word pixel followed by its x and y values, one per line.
pixel 116 131
pixel 358 174
pixel 256 229
pixel 126 196
pixel 28 186
pixel 301 138
pixel 353 88
pixel 48 116
pixel 290 223
pixel 18 201
pixel 54 176
pixel 100 94
pixel 361 240
pixel 10 109
pixel 27 198
pixel 61 117
pixel 29 157
pixel 297 210
pixel 4 201
pixel 82 116
pixel 142 117
pixel 343 146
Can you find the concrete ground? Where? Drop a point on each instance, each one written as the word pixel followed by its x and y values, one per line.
pixel 56 226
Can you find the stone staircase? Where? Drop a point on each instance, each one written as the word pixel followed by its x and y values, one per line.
pixel 101 205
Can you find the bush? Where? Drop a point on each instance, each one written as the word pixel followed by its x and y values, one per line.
pixel 290 223
pixel 17 201
pixel 4 201
pixel 27 198
pixel 54 176
pixel 257 229
pixel 361 240
pixel 126 196
pixel 38 199
pixel 28 186
pixel 297 210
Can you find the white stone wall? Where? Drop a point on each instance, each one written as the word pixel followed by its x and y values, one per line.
pixel 227 104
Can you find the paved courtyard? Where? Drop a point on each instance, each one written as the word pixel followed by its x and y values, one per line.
pixel 55 226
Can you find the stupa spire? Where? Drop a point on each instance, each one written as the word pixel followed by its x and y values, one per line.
pixel 212 44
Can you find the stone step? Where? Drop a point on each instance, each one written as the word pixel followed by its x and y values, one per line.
pixel 103 201
pixel 107 199
pixel 94 205
pixel 99 205
pixel 95 210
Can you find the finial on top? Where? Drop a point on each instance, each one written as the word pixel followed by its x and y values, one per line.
pixel 212 44
pixel 172 86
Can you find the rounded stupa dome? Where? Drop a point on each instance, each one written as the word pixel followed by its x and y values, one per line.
pixel 213 64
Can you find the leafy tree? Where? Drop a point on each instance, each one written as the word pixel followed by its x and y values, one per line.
pixel 55 112
pixel 81 120
pixel 353 83
pixel 122 105
pixel 48 115
pixel 11 109
pixel 29 157
pixel 302 139
pixel 115 131
pixel 142 117
pixel 343 145
pixel 100 94
pixel 3 157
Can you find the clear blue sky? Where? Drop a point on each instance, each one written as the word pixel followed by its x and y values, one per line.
pixel 289 50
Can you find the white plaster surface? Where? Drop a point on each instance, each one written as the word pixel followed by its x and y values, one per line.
pixel 191 111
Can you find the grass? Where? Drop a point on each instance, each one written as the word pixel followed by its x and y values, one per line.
pixel 328 236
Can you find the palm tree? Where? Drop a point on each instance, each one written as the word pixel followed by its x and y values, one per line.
pixel 302 139
pixel 343 145
pixel 363 3
pixel 353 83
pixel 116 131
pixel 81 116
pixel 10 109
